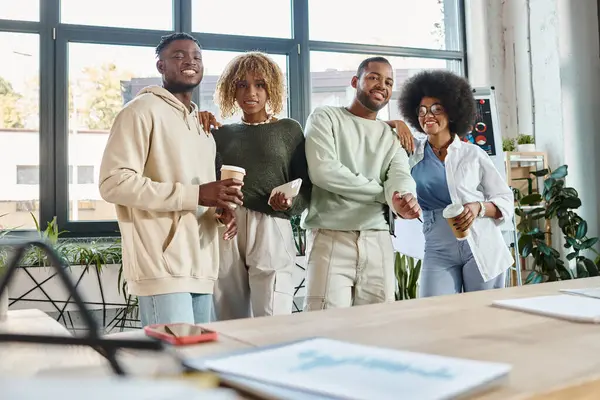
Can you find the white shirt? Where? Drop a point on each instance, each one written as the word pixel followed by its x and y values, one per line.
pixel 472 177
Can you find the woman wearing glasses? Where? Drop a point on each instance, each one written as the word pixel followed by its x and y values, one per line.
pixel 448 171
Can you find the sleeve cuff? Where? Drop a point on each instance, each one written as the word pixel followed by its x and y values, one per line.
pixel 190 197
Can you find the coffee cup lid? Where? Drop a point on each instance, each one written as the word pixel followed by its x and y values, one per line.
pixel 233 168
pixel 453 210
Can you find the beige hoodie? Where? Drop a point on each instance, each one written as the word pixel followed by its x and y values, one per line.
pixel 156 157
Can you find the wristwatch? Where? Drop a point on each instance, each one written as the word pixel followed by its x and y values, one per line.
pixel 481 210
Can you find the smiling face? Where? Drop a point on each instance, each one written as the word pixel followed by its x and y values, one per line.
pixel 432 116
pixel 251 95
pixel 374 86
pixel 180 64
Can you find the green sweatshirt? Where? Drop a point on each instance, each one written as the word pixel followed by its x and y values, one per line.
pixel 355 165
pixel 272 154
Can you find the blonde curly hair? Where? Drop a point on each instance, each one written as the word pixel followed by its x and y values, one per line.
pixel 261 66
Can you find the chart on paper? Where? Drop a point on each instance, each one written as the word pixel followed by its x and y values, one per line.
pixel 351 371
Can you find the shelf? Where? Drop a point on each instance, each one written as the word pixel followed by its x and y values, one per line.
pixel 526 159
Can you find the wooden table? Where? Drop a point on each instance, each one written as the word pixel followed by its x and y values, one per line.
pixel 546 353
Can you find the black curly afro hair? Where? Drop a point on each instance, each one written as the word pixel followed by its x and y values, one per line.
pixel 453 91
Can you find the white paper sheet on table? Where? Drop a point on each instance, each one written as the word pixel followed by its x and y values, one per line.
pixel 350 371
pixel 587 292
pixel 563 306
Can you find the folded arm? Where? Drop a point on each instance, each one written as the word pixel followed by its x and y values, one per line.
pixel 325 169
pixel 121 171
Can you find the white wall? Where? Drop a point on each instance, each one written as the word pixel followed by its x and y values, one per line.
pixel 543 57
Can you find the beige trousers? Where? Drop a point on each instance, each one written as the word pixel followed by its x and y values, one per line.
pixel 255 270
pixel 348 268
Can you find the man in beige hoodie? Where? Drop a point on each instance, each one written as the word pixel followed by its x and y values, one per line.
pixel 158 169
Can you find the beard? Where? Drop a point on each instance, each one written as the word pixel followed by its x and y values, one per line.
pixel 180 87
pixel 365 100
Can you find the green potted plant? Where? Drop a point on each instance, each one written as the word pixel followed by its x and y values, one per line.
pixel 560 202
pixel 508 145
pixel 525 143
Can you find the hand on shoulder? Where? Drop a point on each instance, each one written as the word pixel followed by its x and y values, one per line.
pixel 208 120
pixel 404 134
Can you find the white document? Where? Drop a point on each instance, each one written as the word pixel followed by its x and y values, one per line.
pixel 290 189
pixel 409 239
pixel 588 292
pixel 563 306
pixel 351 371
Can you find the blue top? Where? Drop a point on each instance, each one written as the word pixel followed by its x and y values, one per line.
pixel 432 187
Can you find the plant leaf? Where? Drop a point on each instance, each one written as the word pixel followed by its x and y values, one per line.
pixel 531 199
pixel 571 202
pixel 572 255
pixel 541 172
pixel 559 172
pixel 551 210
pixel 526 250
pixel 544 248
pixel 591 268
pixel 533 278
pixel 550 261
pixel 564 273
pixel 548 183
pixel 589 243
pixel 569 192
pixel 581 269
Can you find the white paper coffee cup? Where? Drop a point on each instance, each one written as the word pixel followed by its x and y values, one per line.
pixel 233 172
pixel 450 213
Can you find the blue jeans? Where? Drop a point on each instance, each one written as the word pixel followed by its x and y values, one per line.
pixel 448 265
pixel 171 308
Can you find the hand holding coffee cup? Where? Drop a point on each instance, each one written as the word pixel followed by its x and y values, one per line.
pixel 221 194
pixel 233 172
pixel 461 218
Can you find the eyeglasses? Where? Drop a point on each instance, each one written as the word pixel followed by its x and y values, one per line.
pixel 436 109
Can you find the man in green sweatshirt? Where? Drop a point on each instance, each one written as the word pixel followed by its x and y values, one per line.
pixel 357 166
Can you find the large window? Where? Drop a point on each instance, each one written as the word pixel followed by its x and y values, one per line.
pixel 69 66
pixel 22 10
pixel 406 23
pixel 265 18
pixel 19 127
pixel 102 78
pixel 146 14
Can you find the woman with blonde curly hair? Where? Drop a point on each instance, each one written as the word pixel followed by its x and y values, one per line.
pixel 255 275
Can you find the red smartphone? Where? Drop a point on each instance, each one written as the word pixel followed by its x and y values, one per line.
pixel 180 334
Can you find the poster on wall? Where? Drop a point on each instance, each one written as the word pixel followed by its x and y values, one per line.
pixel 483 130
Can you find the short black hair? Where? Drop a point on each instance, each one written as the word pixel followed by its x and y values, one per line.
pixel 365 63
pixel 453 91
pixel 168 39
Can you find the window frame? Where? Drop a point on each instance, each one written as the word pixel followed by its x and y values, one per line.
pixel 53 107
